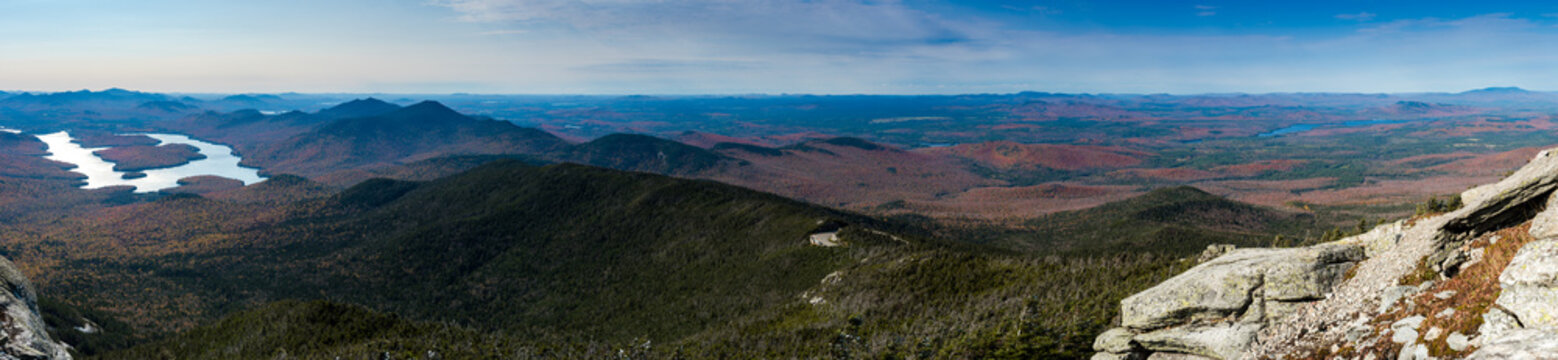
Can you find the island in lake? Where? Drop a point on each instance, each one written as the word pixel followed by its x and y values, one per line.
pixel 136 158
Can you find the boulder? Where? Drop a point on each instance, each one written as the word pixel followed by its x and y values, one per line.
pixel 1176 356
pixel 1114 356
pixel 1220 341
pixel 1414 352
pixel 1496 204
pixel 1391 295
pixel 1545 225
pixel 1536 264
pixel 1496 323
pixel 1527 313
pixel 1457 341
pixel 1213 251
pixel 1379 239
pixel 1226 286
pixel 1117 340
pixel 1530 284
pixel 1220 287
pixel 1520 344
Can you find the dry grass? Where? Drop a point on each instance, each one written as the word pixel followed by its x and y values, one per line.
pixel 1476 287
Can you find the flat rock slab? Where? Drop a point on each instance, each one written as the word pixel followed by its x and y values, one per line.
pixel 1225 286
pixel 1222 341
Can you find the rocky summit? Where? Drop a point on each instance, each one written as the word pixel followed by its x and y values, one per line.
pixel 1478 282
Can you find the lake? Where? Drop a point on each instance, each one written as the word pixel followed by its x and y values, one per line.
pixel 1307 127
pixel 220 161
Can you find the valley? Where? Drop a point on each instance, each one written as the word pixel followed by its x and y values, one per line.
pixel 778 179
pixel 688 236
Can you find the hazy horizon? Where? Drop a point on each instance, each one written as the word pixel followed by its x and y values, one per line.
pixel 375 94
pixel 614 47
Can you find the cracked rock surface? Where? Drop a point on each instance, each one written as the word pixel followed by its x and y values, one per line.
pixel 1215 309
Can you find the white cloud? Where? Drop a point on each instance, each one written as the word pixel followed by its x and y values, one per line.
pixel 1205 10
pixel 837 20
pixel 1361 16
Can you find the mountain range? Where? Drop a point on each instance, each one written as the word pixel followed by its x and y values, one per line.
pixel 412 229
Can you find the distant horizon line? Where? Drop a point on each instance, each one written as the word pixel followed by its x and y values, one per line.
pixel 782 94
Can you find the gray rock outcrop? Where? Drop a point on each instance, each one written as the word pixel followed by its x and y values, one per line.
pixel 1277 303
pixel 1215 309
pixel 1525 320
pixel 1438 242
pixel 21 326
pixel 1520 344
pixel 1501 202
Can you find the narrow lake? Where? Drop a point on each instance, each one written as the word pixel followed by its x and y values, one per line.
pixel 1307 127
pixel 219 161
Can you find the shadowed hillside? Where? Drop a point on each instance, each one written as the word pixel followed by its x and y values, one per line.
pixel 415 132
pixel 695 267
pixel 645 153
pixel 1176 220
pixel 513 243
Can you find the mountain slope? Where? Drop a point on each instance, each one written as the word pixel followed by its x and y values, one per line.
pixel 845 172
pixel 516 246
pixel 421 131
pixel 1177 220
pixel 644 153
pixel 324 330
pixel 358 108
pixel 573 256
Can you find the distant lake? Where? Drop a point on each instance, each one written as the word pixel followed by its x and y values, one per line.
pixel 1307 127
pixel 219 161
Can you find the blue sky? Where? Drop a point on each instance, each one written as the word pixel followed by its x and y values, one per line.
pixel 775 46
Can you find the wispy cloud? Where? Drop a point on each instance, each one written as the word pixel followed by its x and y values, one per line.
pixel 1361 16
pixel 1035 9
pixel 810 24
pixel 1205 10
pixel 670 66
pixel 848 46
pixel 505 32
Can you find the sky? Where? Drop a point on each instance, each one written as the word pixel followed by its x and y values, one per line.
pixel 776 46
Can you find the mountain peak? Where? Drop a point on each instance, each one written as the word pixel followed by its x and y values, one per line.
pixel 359 108
pixel 427 111
pixel 431 104
pixel 1498 90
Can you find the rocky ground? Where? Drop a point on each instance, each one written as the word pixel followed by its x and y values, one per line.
pixel 1477 282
